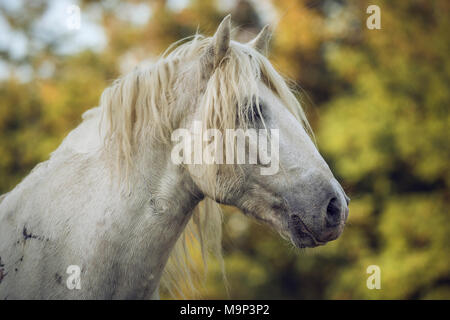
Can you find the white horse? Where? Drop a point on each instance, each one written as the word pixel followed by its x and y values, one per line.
pixel 101 217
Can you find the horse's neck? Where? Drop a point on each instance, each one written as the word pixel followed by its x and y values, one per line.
pixel 151 217
pixel 158 225
pixel 170 197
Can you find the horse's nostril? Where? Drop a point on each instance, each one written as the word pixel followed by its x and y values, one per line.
pixel 333 217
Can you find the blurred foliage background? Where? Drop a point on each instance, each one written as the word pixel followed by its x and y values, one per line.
pixel 378 101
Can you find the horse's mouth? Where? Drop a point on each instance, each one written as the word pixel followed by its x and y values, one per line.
pixel 301 236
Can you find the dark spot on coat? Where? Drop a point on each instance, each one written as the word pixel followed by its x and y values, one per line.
pixel 3 272
pixel 27 235
pixel 58 278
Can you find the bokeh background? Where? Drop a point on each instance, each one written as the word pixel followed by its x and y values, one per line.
pixel 378 101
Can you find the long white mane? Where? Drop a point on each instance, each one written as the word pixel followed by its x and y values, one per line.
pixel 142 105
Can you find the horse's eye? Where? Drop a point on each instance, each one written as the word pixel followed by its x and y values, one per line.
pixel 251 113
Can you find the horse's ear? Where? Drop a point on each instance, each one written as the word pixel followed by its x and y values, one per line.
pixel 222 39
pixel 261 41
pixel 221 42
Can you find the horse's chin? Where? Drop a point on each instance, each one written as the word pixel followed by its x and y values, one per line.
pixel 305 241
pixel 301 237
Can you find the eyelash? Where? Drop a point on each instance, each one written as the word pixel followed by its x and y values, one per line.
pixel 253 116
pixel 255 113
